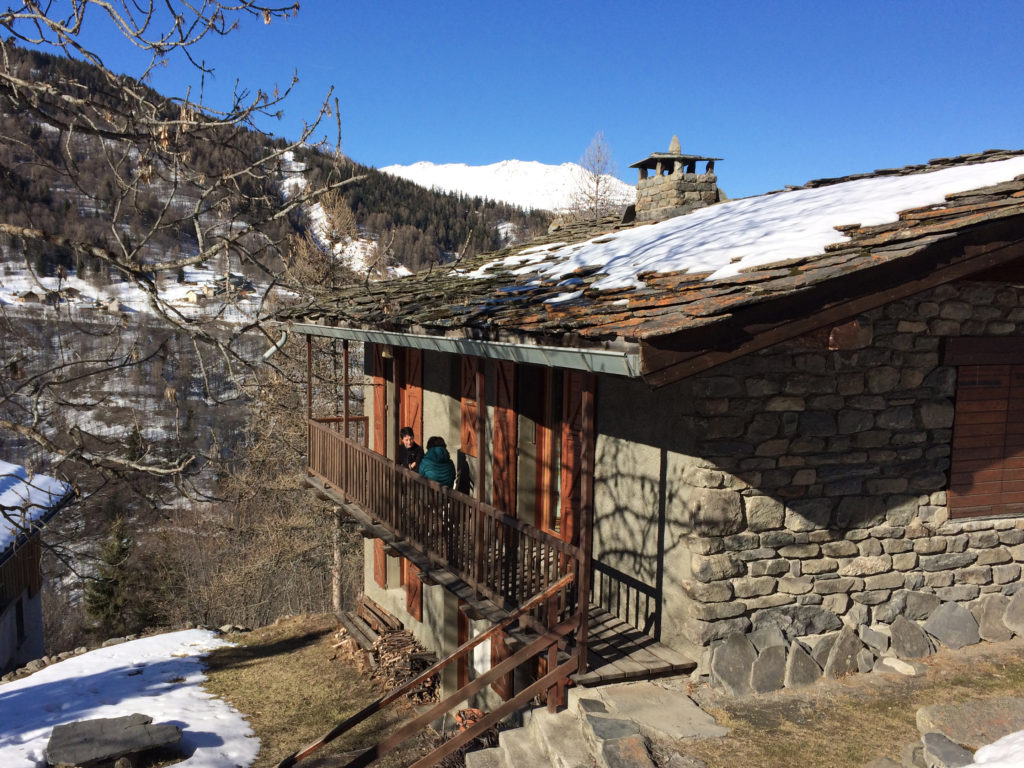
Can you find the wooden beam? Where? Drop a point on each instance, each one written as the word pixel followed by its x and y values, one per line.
pixel 661 366
pixel 587 468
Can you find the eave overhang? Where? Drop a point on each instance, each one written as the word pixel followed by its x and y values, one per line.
pixel 624 361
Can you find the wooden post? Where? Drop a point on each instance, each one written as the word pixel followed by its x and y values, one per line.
pixel 348 436
pixel 309 377
pixel 336 569
pixel 586 514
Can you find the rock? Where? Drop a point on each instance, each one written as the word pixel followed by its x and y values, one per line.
pixel 768 672
pixel 797 620
pixel 988 612
pixel 919 605
pixel 913 755
pixel 1014 616
pixel 767 638
pixel 731 664
pixel 842 659
pixel 907 667
pixel 628 752
pixel 801 669
pixel 973 723
pixel 940 752
pixel 872 638
pixel 821 647
pixel 88 742
pixel 865 660
pixel 34 666
pixel 226 629
pixel 909 641
pixel 953 625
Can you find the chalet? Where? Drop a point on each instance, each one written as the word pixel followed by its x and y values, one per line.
pixel 790 411
pixel 26 504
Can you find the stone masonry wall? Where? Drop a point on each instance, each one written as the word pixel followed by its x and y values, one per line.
pixel 817 482
pixel 662 197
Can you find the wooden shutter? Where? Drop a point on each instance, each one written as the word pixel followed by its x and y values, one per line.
pixel 505 446
pixel 410 408
pixel 380 564
pixel 987 465
pixel 413 592
pixel 499 652
pixel 571 450
pixel 380 402
pixel 468 402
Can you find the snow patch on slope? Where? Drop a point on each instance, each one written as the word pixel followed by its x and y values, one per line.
pixel 528 184
pixel 158 676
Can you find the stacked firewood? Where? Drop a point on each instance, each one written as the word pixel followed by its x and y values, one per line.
pixel 400 658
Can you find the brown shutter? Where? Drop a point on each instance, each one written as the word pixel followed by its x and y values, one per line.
pixel 413 592
pixel 380 404
pixel 468 402
pixel 505 446
pixel 499 652
pixel 987 465
pixel 380 564
pixel 572 444
pixel 411 395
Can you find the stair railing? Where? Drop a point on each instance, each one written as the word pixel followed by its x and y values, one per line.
pixel 552 681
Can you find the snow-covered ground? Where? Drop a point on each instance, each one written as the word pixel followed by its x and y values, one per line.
pixel 528 184
pixel 158 676
pixel 25 499
pixel 725 239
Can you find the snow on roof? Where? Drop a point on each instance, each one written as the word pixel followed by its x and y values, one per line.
pixel 725 239
pixel 25 500
pixel 157 676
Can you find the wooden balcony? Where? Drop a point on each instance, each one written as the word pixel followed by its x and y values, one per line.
pixel 499 557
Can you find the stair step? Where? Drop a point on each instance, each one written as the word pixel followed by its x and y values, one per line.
pixel 485 758
pixel 521 749
pixel 562 738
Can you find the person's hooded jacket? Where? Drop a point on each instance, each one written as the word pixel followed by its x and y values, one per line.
pixel 437 465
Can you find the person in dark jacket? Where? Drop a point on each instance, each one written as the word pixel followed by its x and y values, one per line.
pixel 436 464
pixel 410 453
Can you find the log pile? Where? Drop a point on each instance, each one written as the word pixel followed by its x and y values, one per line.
pixel 400 658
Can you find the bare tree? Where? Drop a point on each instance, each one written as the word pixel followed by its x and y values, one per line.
pixel 173 165
pixel 594 196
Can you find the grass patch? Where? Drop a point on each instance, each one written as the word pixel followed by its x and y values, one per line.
pixel 293 687
pixel 847 723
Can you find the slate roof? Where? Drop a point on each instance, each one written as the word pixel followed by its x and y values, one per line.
pixel 507 302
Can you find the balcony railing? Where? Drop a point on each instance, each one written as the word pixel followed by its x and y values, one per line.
pixel 500 557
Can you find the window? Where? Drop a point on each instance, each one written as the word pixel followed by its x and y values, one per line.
pixel 987 464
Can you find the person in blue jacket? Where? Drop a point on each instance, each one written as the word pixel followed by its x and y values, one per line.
pixel 436 464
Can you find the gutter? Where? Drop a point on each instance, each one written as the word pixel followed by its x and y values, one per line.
pixel 280 343
pixel 617 363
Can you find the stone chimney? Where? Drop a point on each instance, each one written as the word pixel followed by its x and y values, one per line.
pixel 675 187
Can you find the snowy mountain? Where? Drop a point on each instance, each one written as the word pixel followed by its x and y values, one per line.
pixel 528 184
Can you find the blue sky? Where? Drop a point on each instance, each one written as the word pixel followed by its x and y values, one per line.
pixel 785 91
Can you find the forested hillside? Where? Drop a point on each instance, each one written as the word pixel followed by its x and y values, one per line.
pixel 38 191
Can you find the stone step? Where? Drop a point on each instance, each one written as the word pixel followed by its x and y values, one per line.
pixel 486 758
pixel 521 749
pixel 562 738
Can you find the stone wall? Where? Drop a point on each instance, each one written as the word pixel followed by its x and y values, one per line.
pixel 662 197
pixel 817 479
